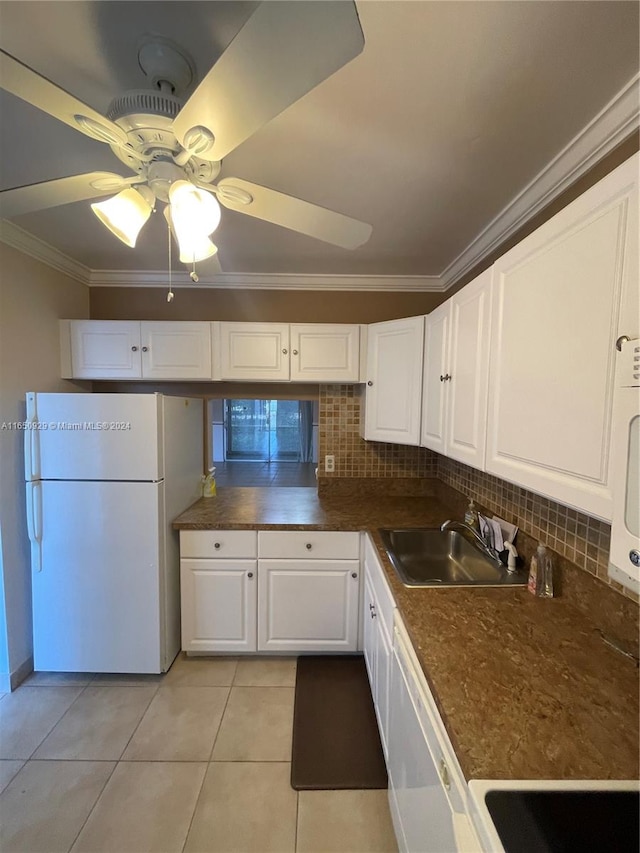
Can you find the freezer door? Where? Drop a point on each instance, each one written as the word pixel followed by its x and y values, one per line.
pixel 94 437
pixel 97 599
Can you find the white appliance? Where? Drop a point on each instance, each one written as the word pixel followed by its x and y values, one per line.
pixel 106 475
pixel 624 559
pixel 427 808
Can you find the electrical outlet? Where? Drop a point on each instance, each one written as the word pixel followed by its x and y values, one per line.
pixel 329 464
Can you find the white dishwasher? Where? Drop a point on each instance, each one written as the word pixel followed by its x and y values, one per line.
pixel 425 799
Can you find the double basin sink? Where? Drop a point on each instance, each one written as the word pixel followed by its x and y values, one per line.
pixel 431 557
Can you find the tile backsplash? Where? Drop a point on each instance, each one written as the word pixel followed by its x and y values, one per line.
pixel 339 434
pixel 583 540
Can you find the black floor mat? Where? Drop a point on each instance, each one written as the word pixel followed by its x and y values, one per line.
pixel 336 744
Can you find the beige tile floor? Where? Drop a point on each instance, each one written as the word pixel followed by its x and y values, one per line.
pixel 197 760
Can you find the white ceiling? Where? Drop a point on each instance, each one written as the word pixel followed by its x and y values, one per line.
pixel 449 112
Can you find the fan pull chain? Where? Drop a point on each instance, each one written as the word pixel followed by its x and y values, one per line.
pixel 193 275
pixel 170 294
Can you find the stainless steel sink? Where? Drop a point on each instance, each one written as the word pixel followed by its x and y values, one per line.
pixel 428 557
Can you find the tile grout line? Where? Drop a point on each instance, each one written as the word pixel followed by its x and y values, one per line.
pixel 92 809
pixel 59 720
pixel 208 764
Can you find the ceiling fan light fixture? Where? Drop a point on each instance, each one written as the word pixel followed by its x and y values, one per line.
pixel 193 211
pixel 194 246
pixel 124 214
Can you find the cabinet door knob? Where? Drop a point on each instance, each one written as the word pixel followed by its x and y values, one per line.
pixel 145 349
pixel 295 352
pixel 441 378
pixel 216 545
pixel 308 546
pixel 134 349
pixel 284 352
pixel 249 574
pixel 354 575
pixel 369 383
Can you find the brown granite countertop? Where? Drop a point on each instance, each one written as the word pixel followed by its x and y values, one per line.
pixel 526 687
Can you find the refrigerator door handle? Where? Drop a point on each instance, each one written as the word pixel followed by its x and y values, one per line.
pixel 31 440
pixel 34 523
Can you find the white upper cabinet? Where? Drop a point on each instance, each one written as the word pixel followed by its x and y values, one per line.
pixel 560 299
pixel 394 381
pixel 253 351
pixel 435 378
pixel 102 349
pixel 176 350
pixel 133 349
pixel 325 352
pixel 307 352
pixel 456 368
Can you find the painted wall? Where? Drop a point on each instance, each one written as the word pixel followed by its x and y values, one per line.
pixel 32 299
pixel 265 306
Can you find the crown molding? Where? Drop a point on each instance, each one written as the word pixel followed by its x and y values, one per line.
pixel 611 126
pixel 268 281
pixel 36 248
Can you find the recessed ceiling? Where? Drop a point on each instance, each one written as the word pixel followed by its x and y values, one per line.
pixel 449 112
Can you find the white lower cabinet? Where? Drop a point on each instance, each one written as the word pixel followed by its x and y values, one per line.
pixel 307 596
pixel 308 605
pixel 219 590
pixel 301 595
pixel 219 605
pixel 377 615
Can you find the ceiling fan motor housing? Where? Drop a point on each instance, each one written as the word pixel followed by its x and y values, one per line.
pixel 147 119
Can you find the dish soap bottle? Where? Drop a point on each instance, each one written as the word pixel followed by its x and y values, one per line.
pixel 471 517
pixel 209 484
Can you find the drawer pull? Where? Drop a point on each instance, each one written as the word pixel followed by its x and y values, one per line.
pixel 444 774
pixel 308 546
pixel 216 545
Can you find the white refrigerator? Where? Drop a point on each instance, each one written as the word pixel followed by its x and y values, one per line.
pixel 105 476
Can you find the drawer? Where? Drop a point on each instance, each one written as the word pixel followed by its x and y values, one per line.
pixel 376 574
pixel 308 544
pixel 218 543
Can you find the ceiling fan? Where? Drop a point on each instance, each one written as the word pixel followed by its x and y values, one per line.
pixel 175 149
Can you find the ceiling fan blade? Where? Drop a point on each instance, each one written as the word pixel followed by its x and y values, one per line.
pixel 293 213
pixel 26 199
pixel 282 52
pixel 21 81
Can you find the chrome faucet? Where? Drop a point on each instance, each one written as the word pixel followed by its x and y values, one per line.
pixel 491 552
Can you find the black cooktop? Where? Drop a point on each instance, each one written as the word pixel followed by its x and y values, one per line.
pixel 566 821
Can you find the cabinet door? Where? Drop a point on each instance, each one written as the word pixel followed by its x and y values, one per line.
pixel 176 350
pixel 468 367
pixel 218 605
pixel 257 351
pixel 394 381
pixel 435 385
pixel 556 304
pixel 105 349
pixel 369 643
pixel 325 352
pixel 381 694
pixel 308 605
